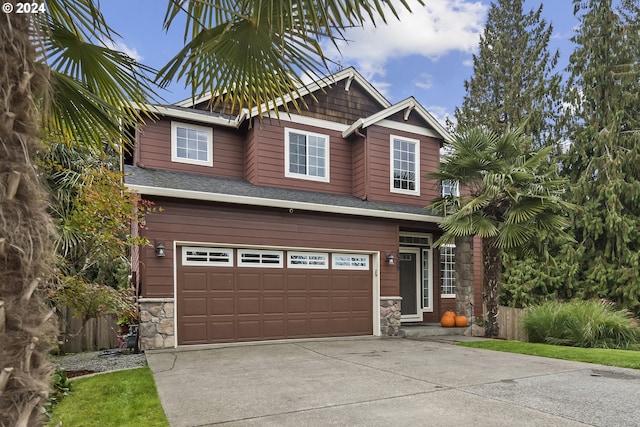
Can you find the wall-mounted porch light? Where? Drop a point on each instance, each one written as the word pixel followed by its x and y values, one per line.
pixel 160 251
pixel 391 260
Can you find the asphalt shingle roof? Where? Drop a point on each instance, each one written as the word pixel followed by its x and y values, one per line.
pixel 163 179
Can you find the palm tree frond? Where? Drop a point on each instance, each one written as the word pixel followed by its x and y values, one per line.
pixel 513 235
pixel 249 53
pixel 94 90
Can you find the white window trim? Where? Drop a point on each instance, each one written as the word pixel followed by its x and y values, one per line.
pixel 289 174
pixel 174 145
pixel 455 193
pixel 416 142
pixel 324 256
pixel 441 294
pixel 279 264
pixel 427 282
pixel 349 267
pixel 228 251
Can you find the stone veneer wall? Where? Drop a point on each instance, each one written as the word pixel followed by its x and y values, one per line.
pixel 156 323
pixel 464 275
pixel 390 316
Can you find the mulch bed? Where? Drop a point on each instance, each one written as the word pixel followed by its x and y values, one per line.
pixel 79 373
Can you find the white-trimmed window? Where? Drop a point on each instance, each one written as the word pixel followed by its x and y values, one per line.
pixel 308 260
pixel 405 165
pixel 306 155
pixel 207 256
pixel 191 144
pixel 350 262
pixel 260 258
pixel 450 188
pixel 448 271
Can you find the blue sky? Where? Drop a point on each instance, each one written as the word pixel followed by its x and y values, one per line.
pixel 426 54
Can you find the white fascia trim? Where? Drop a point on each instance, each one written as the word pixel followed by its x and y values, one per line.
pixel 406 127
pixel 190 102
pixel 276 203
pixel 196 117
pixel 439 131
pixel 310 121
pixel 434 123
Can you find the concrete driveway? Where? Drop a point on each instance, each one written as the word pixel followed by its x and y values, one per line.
pixel 387 382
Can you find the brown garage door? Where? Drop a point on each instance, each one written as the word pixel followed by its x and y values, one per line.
pixel 227 295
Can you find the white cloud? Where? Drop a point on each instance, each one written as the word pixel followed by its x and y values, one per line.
pixel 433 30
pixel 382 87
pixel 468 62
pixel 424 81
pixel 441 114
pixel 121 47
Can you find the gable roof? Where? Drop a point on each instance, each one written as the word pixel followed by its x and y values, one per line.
pixel 184 109
pixel 409 105
pixel 350 74
pixel 182 185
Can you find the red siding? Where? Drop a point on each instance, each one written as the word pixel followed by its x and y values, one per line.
pixel 269 136
pixel 378 140
pixel 359 167
pixel 154 150
pixel 216 223
pixel 251 157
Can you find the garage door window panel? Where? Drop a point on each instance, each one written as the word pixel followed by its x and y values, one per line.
pixel 350 262
pixel 308 260
pixel 253 258
pixel 195 256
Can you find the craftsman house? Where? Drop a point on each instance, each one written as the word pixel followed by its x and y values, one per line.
pixel 313 224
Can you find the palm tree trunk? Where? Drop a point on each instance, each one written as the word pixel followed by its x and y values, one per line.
pixel 25 232
pixel 492 263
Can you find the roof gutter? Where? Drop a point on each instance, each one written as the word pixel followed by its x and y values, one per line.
pixel 278 203
pixel 197 117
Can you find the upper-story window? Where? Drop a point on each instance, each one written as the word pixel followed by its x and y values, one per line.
pixel 405 165
pixel 306 155
pixel 450 188
pixel 191 144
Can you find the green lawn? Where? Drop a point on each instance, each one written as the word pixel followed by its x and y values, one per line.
pixel 621 358
pixel 122 398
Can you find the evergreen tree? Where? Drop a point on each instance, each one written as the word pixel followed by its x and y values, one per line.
pixel 514 85
pixel 513 75
pixel 603 161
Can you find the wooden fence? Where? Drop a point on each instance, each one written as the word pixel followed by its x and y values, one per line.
pixel 95 334
pixel 510 323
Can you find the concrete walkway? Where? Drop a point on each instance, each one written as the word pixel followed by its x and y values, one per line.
pixel 387 382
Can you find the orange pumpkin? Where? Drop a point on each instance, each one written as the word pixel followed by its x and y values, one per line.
pixel 461 321
pixel 447 321
pixel 449 313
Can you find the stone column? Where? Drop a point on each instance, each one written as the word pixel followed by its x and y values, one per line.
pixel 464 275
pixel 390 312
pixel 156 323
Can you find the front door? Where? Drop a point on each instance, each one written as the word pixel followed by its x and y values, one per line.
pixel 410 279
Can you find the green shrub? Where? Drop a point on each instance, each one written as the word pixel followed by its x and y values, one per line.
pixel 589 324
pixel 60 388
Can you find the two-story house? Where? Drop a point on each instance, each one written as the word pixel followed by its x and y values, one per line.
pixel 313 224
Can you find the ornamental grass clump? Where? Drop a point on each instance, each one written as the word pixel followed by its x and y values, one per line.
pixel 589 324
